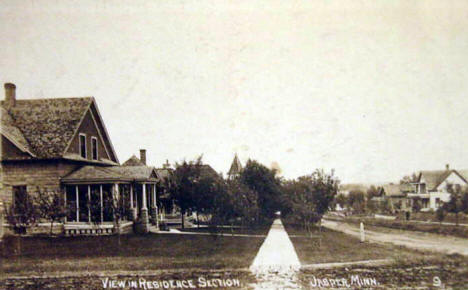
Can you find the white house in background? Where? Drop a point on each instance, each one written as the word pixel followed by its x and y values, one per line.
pixel 434 186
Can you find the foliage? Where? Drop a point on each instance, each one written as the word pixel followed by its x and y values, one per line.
pixel 21 215
pixel 195 188
pixel 454 205
pixel 409 178
pixel 263 181
pixel 244 201
pixel 356 201
pixel 181 184
pixel 440 214
pixel 310 196
pixel 417 204
pixel 372 192
pixel 51 206
pixel 341 200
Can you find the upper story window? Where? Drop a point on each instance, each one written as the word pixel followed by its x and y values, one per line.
pixel 94 148
pixel 422 188
pixel 83 152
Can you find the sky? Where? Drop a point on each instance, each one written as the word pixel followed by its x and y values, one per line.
pixel 372 89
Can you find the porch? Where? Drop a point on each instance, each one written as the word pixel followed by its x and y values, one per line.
pixel 100 203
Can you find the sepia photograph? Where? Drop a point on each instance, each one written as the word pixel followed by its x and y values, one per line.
pixel 220 144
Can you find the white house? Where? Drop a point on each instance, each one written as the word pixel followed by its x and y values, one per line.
pixel 434 186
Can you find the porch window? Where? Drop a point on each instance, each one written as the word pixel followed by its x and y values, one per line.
pixel 107 199
pixel 95 203
pixel 83 203
pixel 124 190
pixel 71 203
pixel 94 148
pixel 83 145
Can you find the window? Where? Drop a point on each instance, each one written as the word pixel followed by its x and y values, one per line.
pixel 422 188
pixel 20 196
pixel 94 148
pixel 83 145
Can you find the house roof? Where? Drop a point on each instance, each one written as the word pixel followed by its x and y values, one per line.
pixel 434 178
pixel 236 166
pixel 163 173
pixel 392 189
pixel 133 161
pixel 207 170
pixel 13 133
pixel 463 173
pixel 45 127
pixel 112 173
pixel 49 124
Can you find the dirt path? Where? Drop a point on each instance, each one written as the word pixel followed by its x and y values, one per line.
pixel 414 240
pixel 276 264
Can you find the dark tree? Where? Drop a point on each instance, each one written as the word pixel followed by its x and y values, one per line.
pixel 310 196
pixel 454 205
pixel 268 187
pixel 357 201
pixel 409 178
pixel 417 204
pixel 243 201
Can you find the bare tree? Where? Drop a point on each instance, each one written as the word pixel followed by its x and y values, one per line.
pixel 51 206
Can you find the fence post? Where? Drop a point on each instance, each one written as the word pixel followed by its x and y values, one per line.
pixel 363 237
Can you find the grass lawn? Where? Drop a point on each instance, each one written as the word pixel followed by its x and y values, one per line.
pixel 446 230
pixel 260 230
pixel 328 246
pixel 146 252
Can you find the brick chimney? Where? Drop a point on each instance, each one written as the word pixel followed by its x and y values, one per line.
pixel 143 156
pixel 10 95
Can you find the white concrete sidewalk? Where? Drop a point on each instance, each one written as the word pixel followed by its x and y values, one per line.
pixel 277 249
pixel 276 264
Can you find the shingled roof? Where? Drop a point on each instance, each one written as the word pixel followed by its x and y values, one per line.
pixel 434 178
pixel 48 124
pixel 12 133
pixel 44 127
pixel 112 173
pixel 133 161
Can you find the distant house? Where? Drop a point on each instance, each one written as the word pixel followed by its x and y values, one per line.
pixel 433 187
pixel 62 145
pixel 345 189
pixel 397 195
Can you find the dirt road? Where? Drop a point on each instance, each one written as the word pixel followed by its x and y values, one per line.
pixel 414 240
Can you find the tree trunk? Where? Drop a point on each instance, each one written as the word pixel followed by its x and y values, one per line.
pixel 182 211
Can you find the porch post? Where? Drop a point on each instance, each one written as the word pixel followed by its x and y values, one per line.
pixel 89 203
pixel 143 224
pixel 154 209
pixel 102 203
pixel 65 205
pixel 116 200
pixel 77 204
pixel 132 204
pixel 143 206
